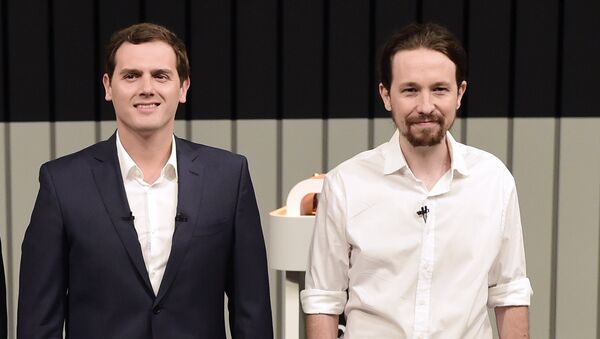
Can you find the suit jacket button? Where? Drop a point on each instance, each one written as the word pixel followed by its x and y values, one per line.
pixel 156 310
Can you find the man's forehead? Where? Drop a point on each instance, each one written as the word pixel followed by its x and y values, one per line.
pixel 156 52
pixel 421 56
pixel 423 61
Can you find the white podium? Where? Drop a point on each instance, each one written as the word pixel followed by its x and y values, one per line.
pixel 290 235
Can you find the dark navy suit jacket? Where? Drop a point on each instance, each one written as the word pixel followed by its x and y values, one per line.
pixel 82 262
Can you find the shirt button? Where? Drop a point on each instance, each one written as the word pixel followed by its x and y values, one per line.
pixel 156 309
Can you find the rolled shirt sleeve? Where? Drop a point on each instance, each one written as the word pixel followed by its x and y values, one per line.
pixel 509 285
pixel 327 272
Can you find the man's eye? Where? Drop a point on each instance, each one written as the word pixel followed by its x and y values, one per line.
pixel 440 89
pixel 162 76
pixel 129 76
pixel 409 90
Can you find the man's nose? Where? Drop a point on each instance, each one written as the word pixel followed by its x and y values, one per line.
pixel 147 86
pixel 426 105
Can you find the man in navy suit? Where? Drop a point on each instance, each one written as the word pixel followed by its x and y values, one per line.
pixel 140 236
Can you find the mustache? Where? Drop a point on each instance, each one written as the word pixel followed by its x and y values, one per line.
pixel 425 117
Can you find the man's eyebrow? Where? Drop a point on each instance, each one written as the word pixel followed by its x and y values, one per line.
pixel 162 70
pixel 441 83
pixel 409 84
pixel 130 70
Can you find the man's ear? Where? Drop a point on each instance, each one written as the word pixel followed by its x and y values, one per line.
pixel 462 88
pixel 185 85
pixel 385 96
pixel 107 88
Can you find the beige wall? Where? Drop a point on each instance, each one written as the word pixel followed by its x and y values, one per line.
pixel 556 163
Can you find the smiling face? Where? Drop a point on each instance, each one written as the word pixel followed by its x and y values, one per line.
pixel 145 88
pixel 423 96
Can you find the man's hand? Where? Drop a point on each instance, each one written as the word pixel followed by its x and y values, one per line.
pixel 321 326
pixel 513 322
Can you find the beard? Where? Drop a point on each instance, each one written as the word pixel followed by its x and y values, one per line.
pixel 430 136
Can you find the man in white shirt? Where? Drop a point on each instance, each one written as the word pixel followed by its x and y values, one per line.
pixel 141 235
pixel 417 237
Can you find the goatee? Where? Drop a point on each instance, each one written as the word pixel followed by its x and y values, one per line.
pixel 425 136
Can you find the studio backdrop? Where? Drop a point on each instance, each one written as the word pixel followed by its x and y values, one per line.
pixel 292 84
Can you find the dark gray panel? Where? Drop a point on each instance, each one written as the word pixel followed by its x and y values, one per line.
pixel 303 54
pixel 454 16
pixel 581 48
pixel 390 16
pixel 28 60
pixel 210 52
pixel 170 14
pixel 113 15
pixel 489 59
pixel 446 13
pixel 75 77
pixel 348 59
pixel 256 59
pixel 535 58
pixel 3 65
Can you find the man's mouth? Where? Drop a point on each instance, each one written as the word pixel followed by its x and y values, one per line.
pixel 425 120
pixel 146 105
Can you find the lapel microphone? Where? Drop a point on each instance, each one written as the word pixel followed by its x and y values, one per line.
pixel 180 217
pixel 130 217
pixel 423 213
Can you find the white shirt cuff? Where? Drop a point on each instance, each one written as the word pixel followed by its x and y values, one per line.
pixel 515 293
pixel 320 301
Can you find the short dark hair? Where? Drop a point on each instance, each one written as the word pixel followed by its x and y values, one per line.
pixel 147 32
pixel 427 35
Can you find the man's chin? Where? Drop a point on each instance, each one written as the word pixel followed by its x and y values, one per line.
pixel 431 138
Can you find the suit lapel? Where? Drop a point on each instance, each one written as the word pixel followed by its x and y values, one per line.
pixel 109 182
pixel 190 173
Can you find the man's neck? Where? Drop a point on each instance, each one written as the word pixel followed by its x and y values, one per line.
pixel 427 163
pixel 150 152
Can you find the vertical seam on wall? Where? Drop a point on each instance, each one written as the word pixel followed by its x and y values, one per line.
pixel 234 138
pixel 279 275
pixel 279 97
pixel 9 240
pixel 556 188
pixel 97 67
pixel 371 82
pixel 598 282
pixel 465 100
pixel 280 278
pixel 325 84
pixel 8 176
pixel 555 207
pixel 142 10
pixel 279 161
pixel 51 74
pixel 511 85
pixel 188 44
pixel 233 75
pixel 419 13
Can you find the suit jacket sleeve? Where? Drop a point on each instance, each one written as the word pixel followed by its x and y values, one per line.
pixel 248 284
pixel 43 276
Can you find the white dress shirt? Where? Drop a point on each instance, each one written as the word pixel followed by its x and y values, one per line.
pixel 154 207
pixel 407 277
